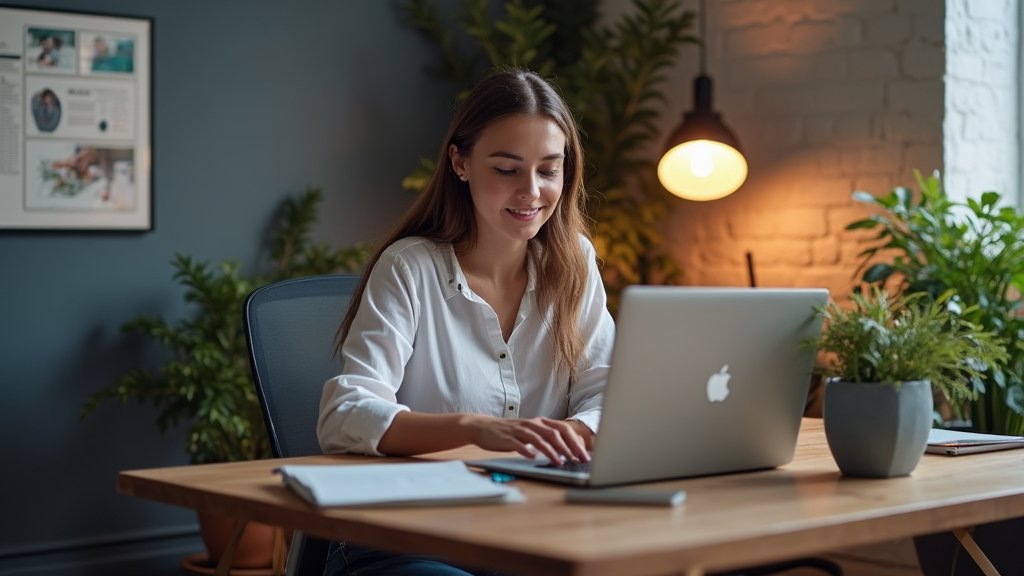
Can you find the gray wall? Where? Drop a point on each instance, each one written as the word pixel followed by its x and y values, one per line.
pixel 253 101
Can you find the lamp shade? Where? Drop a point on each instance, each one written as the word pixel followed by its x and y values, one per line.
pixel 702 160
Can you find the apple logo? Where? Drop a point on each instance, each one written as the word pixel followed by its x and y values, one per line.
pixel 718 385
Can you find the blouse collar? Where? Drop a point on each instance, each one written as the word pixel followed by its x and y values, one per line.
pixel 453 280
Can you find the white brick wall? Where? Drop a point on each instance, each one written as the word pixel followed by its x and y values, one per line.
pixel 832 96
pixel 982 94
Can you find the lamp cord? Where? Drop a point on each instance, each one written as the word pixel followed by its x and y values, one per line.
pixel 750 270
pixel 702 7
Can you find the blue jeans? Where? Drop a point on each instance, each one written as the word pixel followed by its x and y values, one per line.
pixel 344 559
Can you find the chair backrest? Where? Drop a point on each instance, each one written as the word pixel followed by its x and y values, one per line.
pixel 290 327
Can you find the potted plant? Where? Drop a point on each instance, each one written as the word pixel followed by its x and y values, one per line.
pixel 884 357
pixel 975 250
pixel 206 380
pixel 931 244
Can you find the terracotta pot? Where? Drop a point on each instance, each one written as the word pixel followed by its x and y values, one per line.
pixel 255 550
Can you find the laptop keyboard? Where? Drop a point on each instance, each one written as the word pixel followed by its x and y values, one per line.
pixel 568 466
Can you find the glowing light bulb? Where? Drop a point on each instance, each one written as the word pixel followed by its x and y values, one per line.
pixel 701 163
pixel 702 170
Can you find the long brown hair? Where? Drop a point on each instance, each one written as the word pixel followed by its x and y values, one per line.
pixel 444 211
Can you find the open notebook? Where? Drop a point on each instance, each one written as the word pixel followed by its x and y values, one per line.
pixel 406 484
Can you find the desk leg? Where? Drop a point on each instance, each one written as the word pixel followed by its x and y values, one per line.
pixel 224 566
pixel 965 538
pixel 280 552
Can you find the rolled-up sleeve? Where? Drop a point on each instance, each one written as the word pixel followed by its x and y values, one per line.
pixel 358 406
pixel 598 330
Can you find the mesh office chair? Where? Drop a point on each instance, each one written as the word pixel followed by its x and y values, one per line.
pixel 290 327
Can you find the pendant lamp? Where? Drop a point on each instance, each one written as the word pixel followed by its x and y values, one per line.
pixel 702 160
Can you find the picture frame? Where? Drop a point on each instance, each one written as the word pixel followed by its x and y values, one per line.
pixel 75 121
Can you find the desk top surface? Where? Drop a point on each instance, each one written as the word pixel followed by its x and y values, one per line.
pixel 727 521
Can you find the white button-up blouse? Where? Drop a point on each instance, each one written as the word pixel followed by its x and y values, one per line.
pixel 422 340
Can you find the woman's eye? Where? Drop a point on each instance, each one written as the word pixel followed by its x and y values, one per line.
pixel 552 173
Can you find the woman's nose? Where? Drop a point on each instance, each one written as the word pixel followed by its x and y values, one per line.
pixel 531 187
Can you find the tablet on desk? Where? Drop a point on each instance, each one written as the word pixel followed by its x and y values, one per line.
pixel 953 443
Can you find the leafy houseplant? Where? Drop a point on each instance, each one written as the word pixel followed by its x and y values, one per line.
pixel 976 251
pixel 206 381
pixel 885 355
pixel 611 77
pixel 888 340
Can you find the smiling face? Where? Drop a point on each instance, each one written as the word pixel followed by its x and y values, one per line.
pixel 515 176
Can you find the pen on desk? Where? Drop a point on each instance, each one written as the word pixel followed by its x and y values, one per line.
pixel 501 478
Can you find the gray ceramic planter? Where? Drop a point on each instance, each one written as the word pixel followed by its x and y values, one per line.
pixel 875 430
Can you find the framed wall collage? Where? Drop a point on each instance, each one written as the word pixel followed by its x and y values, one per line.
pixel 75 121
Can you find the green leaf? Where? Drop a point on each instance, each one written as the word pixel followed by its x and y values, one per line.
pixel 878 273
pixel 862 224
pixel 865 197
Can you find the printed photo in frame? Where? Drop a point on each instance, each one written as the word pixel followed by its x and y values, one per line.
pixel 76 125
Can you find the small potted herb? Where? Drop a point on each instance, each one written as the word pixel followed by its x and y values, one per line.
pixel 884 357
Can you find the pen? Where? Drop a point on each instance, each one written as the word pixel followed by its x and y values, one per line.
pixel 501 478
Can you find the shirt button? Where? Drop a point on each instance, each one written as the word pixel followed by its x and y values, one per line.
pixel 502 356
pixel 511 408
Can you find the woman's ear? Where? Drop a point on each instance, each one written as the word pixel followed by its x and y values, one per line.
pixel 458 162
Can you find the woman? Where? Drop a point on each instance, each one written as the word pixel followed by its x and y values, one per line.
pixel 46 110
pixel 483 318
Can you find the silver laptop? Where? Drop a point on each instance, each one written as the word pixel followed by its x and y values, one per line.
pixel 703 381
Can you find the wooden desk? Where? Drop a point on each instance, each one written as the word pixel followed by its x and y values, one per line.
pixel 727 521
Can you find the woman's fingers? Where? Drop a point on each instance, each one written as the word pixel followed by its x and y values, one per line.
pixel 576 443
pixel 536 440
pixel 559 441
pixel 556 440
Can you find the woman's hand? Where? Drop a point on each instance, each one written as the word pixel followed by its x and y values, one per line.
pixel 413 433
pixel 557 440
pixel 585 433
